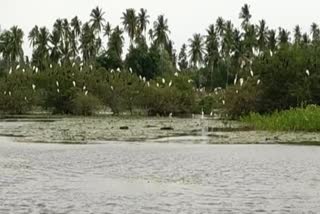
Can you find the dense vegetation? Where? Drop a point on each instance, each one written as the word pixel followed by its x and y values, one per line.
pixel 247 69
pixel 297 119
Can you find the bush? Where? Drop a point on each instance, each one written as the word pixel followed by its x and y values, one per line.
pixel 295 119
pixel 241 101
pixel 85 104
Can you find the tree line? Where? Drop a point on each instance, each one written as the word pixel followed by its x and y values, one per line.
pixel 284 63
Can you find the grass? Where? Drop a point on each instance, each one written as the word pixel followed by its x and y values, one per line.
pixel 296 119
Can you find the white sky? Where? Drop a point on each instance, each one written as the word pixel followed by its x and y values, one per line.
pixel 185 17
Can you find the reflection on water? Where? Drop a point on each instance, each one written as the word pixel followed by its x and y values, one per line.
pixel 158 178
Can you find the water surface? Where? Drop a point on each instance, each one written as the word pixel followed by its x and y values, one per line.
pixel 127 177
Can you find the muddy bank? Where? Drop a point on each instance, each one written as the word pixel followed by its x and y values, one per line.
pixel 81 130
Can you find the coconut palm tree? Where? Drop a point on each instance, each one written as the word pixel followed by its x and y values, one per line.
pixel 115 43
pixel 55 52
pixel 97 20
pixel 262 34
pixel 250 39
pixel 227 43
pixel 150 32
pixel 16 51
pixel 245 15
pixel 33 35
pixel 58 27
pixel 272 40
pixel 297 34
pixel 305 39
pixel 88 42
pixel 76 26
pixel 212 46
pixel 5 39
pixel 107 30
pixel 183 58
pixel 130 23
pixel 11 45
pixel 315 32
pixel 41 48
pixel 284 36
pixel 160 32
pixel 220 26
pixel 196 50
pixel 143 21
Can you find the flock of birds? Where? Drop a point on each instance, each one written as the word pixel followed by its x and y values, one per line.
pixel 36 70
pixel 163 81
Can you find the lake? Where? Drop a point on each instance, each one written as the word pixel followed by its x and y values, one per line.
pixel 154 177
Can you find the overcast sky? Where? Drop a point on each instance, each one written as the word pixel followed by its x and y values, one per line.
pixel 185 17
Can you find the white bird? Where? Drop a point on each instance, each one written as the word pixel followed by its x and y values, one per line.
pixel 211 114
pixel 91 67
pixel 163 81
pixel 243 63
pixel 158 85
pixel 111 71
pixel 130 69
pixel 189 81
pixel 37 70
pixel 202 114
pixel 118 69
pixel 235 79
pixel 73 64
pixel 59 63
pixel 241 81
pixel 10 71
pixel 81 64
pixel 170 83
pixel 80 68
pixel 34 68
pixel 111 88
pixel 5 92
pixel 223 102
pixel 57 83
pixel 74 83
pixel 18 66
pixel 25 98
pixel 86 93
pixel 148 84
pixel 144 79
pixel 176 74
pixel 170 115
pixel 58 90
pixel 9 93
pixel 258 82
pixel 23 70
pixel 140 77
pixel 251 72
pixel 271 53
pixel 33 86
pixel 237 92
pixel 84 88
pixel 308 72
pixel 232 53
pixel 50 65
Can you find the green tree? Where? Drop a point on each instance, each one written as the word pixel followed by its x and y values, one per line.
pixel 183 58
pixel 97 20
pixel 196 50
pixel 130 23
pixel 143 21
pixel 245 15
pixel 160 32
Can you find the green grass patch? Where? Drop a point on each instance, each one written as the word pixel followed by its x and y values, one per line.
pixel 295 119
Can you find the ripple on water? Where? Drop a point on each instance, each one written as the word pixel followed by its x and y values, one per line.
pixel 158 178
